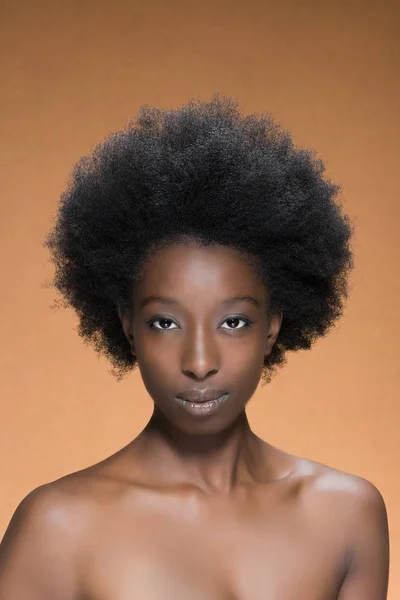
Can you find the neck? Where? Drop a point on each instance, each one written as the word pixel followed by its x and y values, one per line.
pixel 213 462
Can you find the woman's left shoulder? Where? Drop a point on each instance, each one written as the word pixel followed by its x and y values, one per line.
pixel 350 511
pixel 353 496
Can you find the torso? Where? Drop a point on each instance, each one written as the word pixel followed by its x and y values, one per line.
pixel 280 540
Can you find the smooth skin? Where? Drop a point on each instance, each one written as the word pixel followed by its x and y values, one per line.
pixel 199 508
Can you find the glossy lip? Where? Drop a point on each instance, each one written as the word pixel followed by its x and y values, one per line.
pixel 200 409
pixel 198 396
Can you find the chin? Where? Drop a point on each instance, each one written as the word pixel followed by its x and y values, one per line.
pixel 203 424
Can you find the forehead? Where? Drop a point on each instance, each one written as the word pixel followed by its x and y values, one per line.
pixel 189 270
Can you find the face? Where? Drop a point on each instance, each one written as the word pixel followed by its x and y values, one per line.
pixel 200 322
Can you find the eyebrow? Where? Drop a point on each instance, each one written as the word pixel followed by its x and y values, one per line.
pixel 167 300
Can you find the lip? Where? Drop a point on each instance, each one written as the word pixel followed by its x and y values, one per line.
pixel 199 396
pixel 202 409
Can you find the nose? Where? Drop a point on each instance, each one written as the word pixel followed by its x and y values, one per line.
pixel 200 355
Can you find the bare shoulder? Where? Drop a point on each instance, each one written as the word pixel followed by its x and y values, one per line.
pixel 48 532
pixel 37 553
pixel 54 513
pixel 328 493
pixel 67 507
pixel 350 510
pixel 346 491
pixel 61 508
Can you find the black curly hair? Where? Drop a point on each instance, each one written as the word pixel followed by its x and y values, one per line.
pixel 204 172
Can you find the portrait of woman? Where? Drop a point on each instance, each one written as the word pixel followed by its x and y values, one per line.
pixel 200 245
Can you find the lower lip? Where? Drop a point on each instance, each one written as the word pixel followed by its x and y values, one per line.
pixel 202 408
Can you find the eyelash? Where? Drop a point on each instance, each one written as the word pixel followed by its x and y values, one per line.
pixel 247 323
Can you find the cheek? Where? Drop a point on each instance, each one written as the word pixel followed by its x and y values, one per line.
pixel 158 368
pixel 246 364
pixel 247 353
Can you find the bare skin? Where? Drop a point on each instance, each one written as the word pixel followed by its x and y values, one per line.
pixel 198 507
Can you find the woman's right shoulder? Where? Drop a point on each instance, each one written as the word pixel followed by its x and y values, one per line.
pixel 52 528
pixel 67 507
pixel 39 548
pixel 51 507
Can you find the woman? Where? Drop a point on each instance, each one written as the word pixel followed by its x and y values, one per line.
pixel 200 245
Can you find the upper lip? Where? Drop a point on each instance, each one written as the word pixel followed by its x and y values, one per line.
pixel 198 395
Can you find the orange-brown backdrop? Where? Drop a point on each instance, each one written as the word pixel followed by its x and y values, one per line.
pixel 73 72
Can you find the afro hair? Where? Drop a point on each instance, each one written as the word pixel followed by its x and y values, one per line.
pixel 207 172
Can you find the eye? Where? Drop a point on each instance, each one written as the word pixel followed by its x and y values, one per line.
pixel 166 320
pixel 160 320
pixel 246 322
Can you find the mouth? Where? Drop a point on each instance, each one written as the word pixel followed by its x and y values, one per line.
pixel 205 407
pixel 200 396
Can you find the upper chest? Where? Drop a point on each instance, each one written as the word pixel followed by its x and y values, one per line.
pixel 276 548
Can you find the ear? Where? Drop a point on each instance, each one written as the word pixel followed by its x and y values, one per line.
pixel 126 322
pixel 275 322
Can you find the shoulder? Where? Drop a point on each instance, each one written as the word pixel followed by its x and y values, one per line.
pixel 346 491
pixel 58 513
pixel 38 550
pixel 51 512
pixel 49 533
pixel 351 510
pixel 68 506
pixel 355 511
pixel 349 506
pixel 332 496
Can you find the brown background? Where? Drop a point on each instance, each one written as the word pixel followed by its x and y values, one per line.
pixel 74 71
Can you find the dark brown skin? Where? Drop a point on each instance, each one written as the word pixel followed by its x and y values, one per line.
pixel 199 507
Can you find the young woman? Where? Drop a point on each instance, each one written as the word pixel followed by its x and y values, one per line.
pixel 200 245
